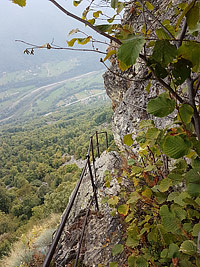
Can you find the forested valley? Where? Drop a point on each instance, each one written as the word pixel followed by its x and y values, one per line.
pixel 34 179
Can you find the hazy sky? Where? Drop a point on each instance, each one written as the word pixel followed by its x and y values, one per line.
pixel 39 22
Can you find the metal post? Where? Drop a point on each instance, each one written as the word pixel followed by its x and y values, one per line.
pixel 98 153
pixel 106 139
pixel 50 254
pixel 93 158
pixel 93 184
pixel 83 231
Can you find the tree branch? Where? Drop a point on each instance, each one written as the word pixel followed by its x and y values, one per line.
pixel 182 35
pixel 162 82
pixel 196 117
pixel 85 22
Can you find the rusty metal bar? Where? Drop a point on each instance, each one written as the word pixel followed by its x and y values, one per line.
pixel 83 231
pixel 63 221
pixel 90 144
pixel 92 180
pixel 97 144
pixel 106 139
pixel 93 157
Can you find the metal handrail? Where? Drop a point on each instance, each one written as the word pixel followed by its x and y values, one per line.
pixel 65 216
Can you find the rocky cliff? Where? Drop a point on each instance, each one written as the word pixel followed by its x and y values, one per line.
pixel 102 230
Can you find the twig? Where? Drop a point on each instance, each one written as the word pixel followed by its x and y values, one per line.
pixel 162 26
pixel 55 47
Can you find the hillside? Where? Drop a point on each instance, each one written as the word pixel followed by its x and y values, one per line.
pixel 46 88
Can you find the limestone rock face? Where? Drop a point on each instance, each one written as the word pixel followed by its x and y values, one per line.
pixel 102 229
pixel 127 90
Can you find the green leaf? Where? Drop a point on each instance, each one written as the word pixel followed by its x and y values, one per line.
pixel 165 184
pixel 193 176
pixel 164 52
pixel 132 261
pixel 114 3
pixel 104 27
pixel 152 133
pixel 141 262
pixel 123 209
pixel 120 7
pixel 146 123
pixel 164 253
pixel 196 229
pixel 173 251
pixel 161 106
pixel 186 113
pixel 113 264
pixel 128 140
pixel 181 70
pixel 113 201
pixel 188 247
pixel 175 146
pixel 186 9
pixel 168 219
pixel 161 34
pixel 185 51
pixel 117 249
pixel 193 189
pixel 193 17
pixel 129 51
pixel 131 162
pixel 21 3
pixel 179 212
pixel 136 170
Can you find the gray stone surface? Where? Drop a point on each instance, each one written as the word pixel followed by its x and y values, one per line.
pixel 102 230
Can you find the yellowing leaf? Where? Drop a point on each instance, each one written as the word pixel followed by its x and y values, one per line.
pixel 91 21
pixel 83 41
pixel 165 184
pixel 73 31
pixel 97 13
pixel 128 140
pixel 76 3
pixel 149 6
pixel 147 193
pixel 113 201
pixel 21 3
pixel 71 42
pixel 123 66
pixel 123 209
pixel 110 53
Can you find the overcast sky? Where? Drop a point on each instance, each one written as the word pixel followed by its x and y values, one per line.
pixel 39 22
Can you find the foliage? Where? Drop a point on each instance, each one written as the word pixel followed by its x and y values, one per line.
pixel 34 181
pixel 161 209
pixel 161 213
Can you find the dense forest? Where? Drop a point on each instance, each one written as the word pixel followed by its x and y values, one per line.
pixel 34 179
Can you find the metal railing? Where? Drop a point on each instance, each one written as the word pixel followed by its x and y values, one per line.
pixel 65 216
